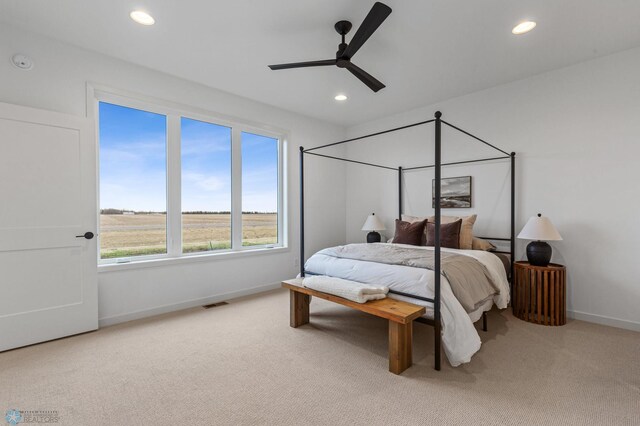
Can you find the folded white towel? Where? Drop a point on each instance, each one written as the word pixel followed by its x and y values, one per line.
pixel 347 289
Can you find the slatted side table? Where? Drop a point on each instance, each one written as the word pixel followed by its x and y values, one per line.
pixel 540 293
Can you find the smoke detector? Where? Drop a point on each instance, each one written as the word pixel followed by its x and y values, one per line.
pixel 22 61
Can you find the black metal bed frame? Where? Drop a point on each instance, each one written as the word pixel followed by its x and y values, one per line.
pixel 436 321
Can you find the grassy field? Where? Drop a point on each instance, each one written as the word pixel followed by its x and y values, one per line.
pixel 145 234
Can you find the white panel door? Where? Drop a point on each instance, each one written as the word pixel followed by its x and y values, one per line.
pixel 48 275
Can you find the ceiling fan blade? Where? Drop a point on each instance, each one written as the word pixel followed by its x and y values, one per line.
pixel 365 77
pixel 303 64
pixel 374 19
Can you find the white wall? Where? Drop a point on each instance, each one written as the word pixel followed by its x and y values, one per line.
pixel 576 132
pixel 58 83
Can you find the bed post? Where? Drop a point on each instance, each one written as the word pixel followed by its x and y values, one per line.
pixel 436 304
pixel 513 217
pixel 399 193
pixel 302 211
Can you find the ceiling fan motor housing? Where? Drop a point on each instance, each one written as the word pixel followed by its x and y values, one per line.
pixel 343 27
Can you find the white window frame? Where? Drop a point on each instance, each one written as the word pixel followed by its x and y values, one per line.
pixel 174 112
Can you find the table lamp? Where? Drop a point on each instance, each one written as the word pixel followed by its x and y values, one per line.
pixel 373 224
pixel 539 229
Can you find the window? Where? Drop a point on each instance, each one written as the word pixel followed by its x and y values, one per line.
pixel 133 182
pixel 176 183
pixel 206 186
pixel 259 190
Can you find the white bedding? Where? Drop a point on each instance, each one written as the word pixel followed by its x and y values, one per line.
pixel 459 337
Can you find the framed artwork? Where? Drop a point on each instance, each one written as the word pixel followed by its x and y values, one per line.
pixel 455 192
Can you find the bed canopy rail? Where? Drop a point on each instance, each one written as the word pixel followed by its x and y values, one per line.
pixel 369 135
pixel 437 166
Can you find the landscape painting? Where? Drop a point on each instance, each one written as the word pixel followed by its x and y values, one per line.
pixel 455 192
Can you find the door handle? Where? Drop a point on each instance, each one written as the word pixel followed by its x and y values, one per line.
pixel 87 235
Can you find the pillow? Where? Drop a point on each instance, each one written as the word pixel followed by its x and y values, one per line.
pixel 414 219
pixel 480 244
pixel 466 230
pixel 449 234
pixel 409 233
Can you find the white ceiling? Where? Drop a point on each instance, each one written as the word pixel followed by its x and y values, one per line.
pixel 426 51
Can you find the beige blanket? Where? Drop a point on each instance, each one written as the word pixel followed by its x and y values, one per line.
pixel 470 280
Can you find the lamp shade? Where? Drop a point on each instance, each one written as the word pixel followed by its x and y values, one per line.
pixel 539 228
pixel 373 223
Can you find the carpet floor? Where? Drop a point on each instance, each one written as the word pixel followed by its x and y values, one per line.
pixel 241 363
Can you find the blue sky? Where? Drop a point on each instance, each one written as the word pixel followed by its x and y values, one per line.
pixel 206 166
pixel 259 173
pixel 133 164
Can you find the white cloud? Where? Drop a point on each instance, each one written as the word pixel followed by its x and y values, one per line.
pixel 204 182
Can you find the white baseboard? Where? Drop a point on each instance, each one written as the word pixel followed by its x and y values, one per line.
pixel 116 319
pixel 599 319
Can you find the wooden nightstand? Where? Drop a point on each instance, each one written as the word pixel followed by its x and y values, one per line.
pixel 540 293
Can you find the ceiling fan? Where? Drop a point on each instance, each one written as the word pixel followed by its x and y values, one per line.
pixel 374 19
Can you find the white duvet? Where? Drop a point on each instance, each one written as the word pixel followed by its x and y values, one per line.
pixel 459 336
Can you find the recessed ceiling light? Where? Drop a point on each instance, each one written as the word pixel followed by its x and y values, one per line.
pixel 142 17
pixel 523 27
pixel 340 97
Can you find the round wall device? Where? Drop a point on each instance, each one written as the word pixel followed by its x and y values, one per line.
pixel 22 61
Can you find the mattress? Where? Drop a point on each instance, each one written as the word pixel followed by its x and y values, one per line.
pixel 460 339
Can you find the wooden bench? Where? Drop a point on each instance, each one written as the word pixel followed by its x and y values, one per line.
pixel 400 315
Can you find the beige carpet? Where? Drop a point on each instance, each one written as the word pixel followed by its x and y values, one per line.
pixel 242 364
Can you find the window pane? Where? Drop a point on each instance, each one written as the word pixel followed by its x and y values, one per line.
pixel 133 182
pixel 206 186
pixel 259 190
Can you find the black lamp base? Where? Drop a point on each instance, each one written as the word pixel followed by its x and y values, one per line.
pixel 538 253
pixel 373 237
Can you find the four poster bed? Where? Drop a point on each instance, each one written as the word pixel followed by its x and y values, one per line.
pixel 424 275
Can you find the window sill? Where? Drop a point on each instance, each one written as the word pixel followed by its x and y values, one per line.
pixel 191 258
